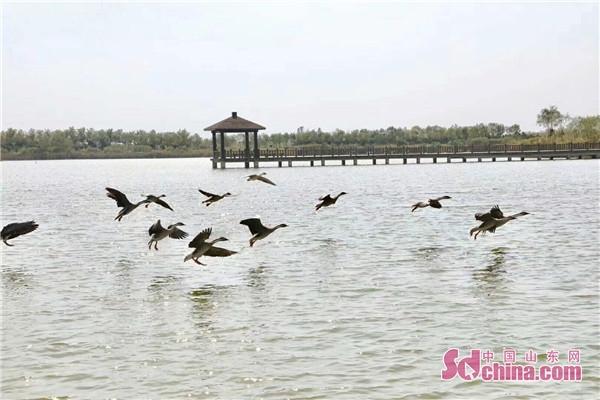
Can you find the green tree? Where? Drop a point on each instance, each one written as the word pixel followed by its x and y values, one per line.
pixel 550 118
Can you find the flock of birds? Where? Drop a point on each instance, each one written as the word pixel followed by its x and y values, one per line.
pixel 201 244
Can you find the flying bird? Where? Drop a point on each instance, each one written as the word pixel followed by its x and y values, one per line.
pixel 491 220
pixel 327 200
pixel 150 198
pixel 260 177
pixel 435 203
pixel 202 245
pixel 157 233
pixel 213 198
pixel 123 202
pixel 258 230
pixel 15 229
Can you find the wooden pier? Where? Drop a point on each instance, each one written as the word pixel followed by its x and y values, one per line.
pixel 328 155
pixel 353 155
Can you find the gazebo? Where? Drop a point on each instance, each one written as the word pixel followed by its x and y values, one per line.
pixel 234 124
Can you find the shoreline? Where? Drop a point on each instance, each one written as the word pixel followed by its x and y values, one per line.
pixel 110 157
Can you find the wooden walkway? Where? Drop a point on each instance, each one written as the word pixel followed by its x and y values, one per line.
pixel 330 155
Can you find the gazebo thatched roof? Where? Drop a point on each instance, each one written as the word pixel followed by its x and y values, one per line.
pixel 234 124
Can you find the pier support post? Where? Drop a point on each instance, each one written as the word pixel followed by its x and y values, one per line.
pixel 374 161
pixel 343 162
pixel 580 157
pixel 478 159
pixel 493 159
pixel 464 159
pixel 322 162
pixel 418 160
pixel 509 158
pixel 522 158
pixel 214 145
pixel 289 163
pixel 404 161
pixel 256 152
pixel 387 161
pixel 539 158
pixel 355 161
pixel 279 163
pixel 434 160
pixel 222 150
pixel 551 158
pixel 312 163
pixel 247 150
pixel 448 160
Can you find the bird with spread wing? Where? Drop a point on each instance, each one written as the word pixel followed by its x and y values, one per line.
pixel 434 203
pixel 123 202
pixel 258 230
pixel 327 200
pixel 203 246
pixel 260 177
pixel 157 233
pixel 150 198
pixel 492 220
pixel 213 198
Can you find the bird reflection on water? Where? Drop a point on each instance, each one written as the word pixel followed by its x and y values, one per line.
pixel 16 280
pixel 491 278
pixel 204 303
pixel 257 277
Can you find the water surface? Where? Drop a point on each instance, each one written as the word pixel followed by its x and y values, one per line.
pixel 358 301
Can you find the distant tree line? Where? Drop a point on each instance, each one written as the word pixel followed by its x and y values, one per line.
pixel 109 143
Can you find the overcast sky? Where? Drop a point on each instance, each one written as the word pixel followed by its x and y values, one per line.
pixel 284 65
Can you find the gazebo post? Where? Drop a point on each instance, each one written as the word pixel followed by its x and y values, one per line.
pixel 214 146
pixel 256 153
pixel 247 153
pixel 222 150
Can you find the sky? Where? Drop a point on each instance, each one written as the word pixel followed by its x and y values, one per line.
pixel 333 65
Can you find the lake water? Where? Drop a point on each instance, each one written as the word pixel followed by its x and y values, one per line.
pixel 358 301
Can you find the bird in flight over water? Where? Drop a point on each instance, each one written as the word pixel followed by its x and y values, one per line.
pixel 123 202
pixel 260 177
pixel 213 198
pixel 258 230
pixel 435 203
pixel 15 229
pixel 491 220
pixel 327 200
pixel 150 198
pixel 202 246
pixel 158 233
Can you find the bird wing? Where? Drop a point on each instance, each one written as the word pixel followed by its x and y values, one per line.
pixel 119 197
pixel 163 203
pixel 215 251
pixel 265 180
pixel 495 212
pixel 441 198
pixel 17 229
pixel 207 194
pixel 325 198
pixel 156 228
pixel 484 217
pixel 200 238
pixel 178 234
pixel 254 225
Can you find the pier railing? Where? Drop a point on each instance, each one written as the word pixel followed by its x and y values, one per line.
pixel 316 152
